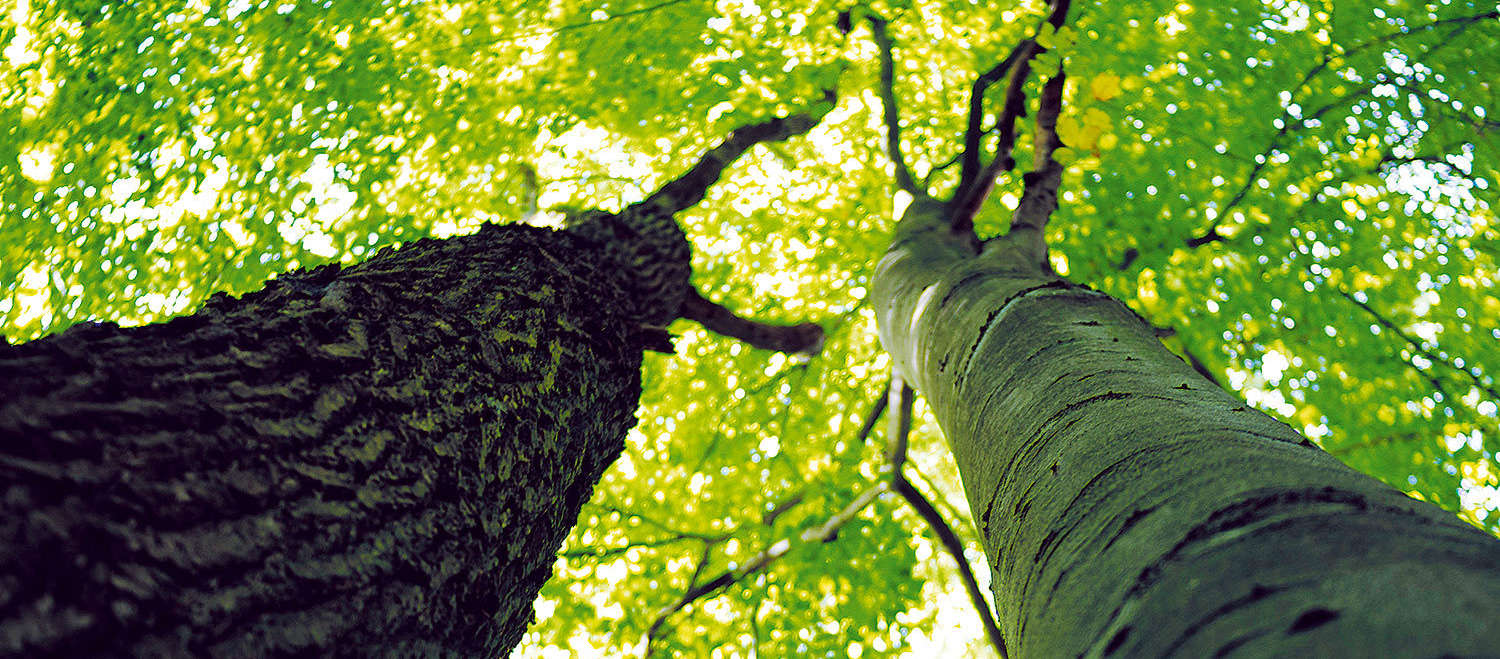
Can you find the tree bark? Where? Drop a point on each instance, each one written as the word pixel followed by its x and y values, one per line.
pixel 1129 507
pixel 376 460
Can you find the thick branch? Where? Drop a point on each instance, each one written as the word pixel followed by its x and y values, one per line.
pixel 687 190
pixel 805 337
pixel 972 193
pixel 971 198
pixel 904 180
pixel 1039 197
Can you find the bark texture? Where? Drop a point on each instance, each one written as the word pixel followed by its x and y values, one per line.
pixel 378 460
pixel 1129 507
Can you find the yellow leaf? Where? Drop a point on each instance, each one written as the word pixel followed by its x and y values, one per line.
pixel 1064 156
pixel 1096 118
pixel 1105 86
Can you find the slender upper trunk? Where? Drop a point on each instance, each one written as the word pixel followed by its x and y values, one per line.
pixel 381 459
pixel 1129 507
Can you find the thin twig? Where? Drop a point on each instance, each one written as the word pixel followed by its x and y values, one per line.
pixel 955 547
pixel 901 396
pixel 825 532
pixel 1419 349
pixel 1212 234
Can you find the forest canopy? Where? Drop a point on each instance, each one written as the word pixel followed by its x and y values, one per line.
pixel 1300 197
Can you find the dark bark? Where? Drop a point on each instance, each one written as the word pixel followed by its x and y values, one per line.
pixel 377 460
pixel 1129 507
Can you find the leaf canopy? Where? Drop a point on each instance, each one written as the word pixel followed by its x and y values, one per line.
pixel 1302 197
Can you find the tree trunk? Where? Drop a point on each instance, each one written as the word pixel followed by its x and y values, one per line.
pixel 1129 507
pixel 376 460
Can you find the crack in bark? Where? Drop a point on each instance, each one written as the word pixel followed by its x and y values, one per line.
pixel 995 315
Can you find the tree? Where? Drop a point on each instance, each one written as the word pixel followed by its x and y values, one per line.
pixel 1298 198
pixel 383 458
pixel 378 457
pixel 1115 485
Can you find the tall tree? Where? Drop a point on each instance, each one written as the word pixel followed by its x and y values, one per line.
pixel 1298 196
pixel 378 459
pixel 1128 505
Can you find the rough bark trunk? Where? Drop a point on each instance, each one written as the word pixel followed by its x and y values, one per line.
pixel 1129 507
pixel 378 460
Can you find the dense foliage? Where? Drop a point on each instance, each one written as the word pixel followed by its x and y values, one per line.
pixel 1301 196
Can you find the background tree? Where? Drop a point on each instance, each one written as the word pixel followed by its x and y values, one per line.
pixel 1299 196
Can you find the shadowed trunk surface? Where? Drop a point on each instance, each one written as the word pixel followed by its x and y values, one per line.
pixel 1129 507
pixel 376 460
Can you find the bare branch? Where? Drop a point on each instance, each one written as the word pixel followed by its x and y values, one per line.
pixel 955 548
pixel 970 197
pixel 899 423
pixel 661 618
pixel 801 338
pixel 687 190
pixel 1198 365
pixel 901 398
pixel 825 532
pixel 904 180
pixel 705 537
pixel 1419 349
pixel 876 408
pixel 599 552
pixel 974 135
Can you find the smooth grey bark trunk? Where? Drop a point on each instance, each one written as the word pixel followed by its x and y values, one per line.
pixel 378 460
pixel 1129 507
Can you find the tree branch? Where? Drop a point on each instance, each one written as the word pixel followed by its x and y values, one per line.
pixel 705 537
pixel 899 424
pixel 955 548
pixel 1419 349
pixel 876 408
pixel 687 190
pixel 598 552
pixel 971 197
pixel 1039 196
pixel 904 180
pixel 801 338
pixel 974 134
pixel 901 398
pixel 1212 234
pixel 1198 365
pixel 825 532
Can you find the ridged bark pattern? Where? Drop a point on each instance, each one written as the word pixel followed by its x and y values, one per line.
pixel 375 460
pixel 1129 507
